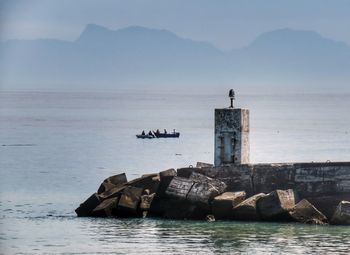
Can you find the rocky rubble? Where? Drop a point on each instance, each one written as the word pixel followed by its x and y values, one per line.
pixel 200 193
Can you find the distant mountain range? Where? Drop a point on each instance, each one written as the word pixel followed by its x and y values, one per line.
pixel 139 57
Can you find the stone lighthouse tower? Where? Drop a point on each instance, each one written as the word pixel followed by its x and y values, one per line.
pixel 231 135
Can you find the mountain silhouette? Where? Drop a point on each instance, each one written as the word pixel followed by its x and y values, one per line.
pixel 139 57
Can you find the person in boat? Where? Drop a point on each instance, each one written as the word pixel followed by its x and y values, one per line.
pixel 157 132
pixel 150 133
pixel 143 132
pixel 165 131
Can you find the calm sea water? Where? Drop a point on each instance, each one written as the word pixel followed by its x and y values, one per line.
pixel 56 148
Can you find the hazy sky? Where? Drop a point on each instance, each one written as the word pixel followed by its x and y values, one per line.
pixel 226 24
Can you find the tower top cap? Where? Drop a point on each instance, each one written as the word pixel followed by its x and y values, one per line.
pixel 231 95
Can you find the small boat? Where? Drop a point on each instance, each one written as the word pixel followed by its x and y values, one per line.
pixel 145 136
pixel 159 135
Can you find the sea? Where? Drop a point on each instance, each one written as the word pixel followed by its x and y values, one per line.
pixel 57 147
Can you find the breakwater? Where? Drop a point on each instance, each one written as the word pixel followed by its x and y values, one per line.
pixel 303 192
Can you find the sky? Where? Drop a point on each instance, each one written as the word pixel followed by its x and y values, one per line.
pixel 225 24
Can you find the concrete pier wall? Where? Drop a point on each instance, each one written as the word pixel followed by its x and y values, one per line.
pixel 324 184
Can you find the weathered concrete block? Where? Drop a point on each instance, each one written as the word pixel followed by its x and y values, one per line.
pixel 146 201
pixel 198 177
pixel 111 182
pixel 202 193
pixel 204 188
pixel 305 212
pixel 246 210
pixel 275 205
pixel 179 188
pixel 222 206
pixel 342 214
pixel 129 201
pixel 106 208
pixel 85 209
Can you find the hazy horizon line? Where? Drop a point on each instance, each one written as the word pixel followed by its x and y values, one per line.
pixel 174 33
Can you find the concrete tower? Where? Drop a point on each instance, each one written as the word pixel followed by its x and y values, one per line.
pixel 231 135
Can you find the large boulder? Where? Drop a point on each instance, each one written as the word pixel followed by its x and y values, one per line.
pixel 223 204
pixel 246 210
pixel 341 215
pixel 85 209
pixel 305 212
pixel 129 202
pixel 197 189
pixel 204 188
pixel 276 205
pixel 179 188
pixel 106 208
pixel 111 182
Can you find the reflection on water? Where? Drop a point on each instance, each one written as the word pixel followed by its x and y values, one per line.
pixel 153 236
